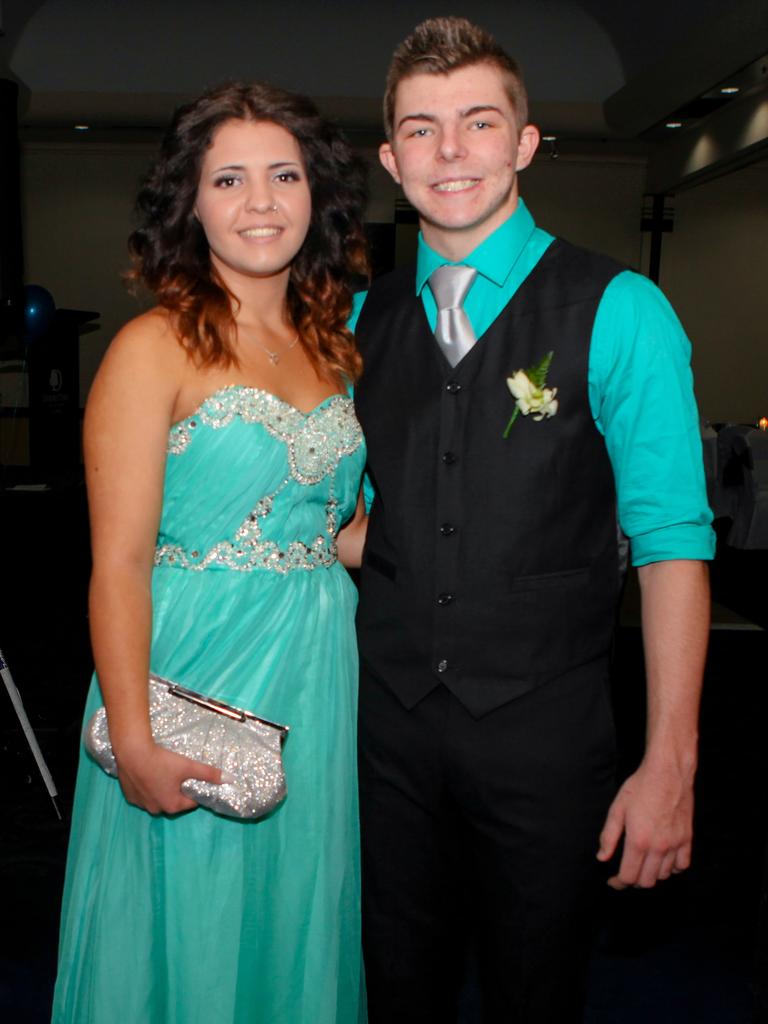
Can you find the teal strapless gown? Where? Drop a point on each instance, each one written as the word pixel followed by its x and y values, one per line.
pixel 201 919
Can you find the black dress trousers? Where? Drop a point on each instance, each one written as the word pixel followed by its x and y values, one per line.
pixel 482 832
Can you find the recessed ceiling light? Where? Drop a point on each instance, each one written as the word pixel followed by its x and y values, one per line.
pixel 549 138
pixel 729 90
pixel 81 127
pixel 674 124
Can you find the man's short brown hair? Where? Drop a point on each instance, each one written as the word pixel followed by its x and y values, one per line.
pixel 440 45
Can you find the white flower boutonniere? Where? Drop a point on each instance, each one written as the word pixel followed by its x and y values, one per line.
pixel 527 386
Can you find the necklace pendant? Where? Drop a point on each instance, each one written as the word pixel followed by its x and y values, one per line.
pixel 274 358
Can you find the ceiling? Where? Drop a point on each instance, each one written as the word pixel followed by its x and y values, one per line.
pixel 596 69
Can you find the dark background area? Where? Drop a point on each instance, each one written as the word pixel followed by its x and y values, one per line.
pixel 688 951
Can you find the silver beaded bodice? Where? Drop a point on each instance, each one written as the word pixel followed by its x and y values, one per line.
pixel 295 474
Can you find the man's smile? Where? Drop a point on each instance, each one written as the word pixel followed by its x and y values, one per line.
pixel 455 185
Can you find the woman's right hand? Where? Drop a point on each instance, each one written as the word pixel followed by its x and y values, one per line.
pixel 151 778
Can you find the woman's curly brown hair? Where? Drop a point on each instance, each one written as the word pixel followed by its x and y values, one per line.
pixel 170 251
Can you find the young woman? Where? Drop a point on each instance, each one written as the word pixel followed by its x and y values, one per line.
pixel 223 457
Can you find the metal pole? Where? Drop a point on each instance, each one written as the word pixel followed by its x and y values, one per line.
pixel 37 753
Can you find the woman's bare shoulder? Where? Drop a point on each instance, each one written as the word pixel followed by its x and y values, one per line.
pixel 150 335
pixel 145 356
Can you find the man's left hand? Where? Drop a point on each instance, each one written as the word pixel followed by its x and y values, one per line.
pixel 653 810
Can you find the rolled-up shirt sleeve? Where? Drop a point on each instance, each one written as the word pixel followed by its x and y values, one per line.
pixel 358 300
pixel 641 394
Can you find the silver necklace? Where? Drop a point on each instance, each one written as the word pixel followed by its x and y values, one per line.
pixel 274 357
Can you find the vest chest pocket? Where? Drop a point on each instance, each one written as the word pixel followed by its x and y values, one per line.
pixel 550 580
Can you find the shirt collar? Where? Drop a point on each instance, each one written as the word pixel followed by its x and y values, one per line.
pixel 493 258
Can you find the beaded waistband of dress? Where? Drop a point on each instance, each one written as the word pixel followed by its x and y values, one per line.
pixel 261 554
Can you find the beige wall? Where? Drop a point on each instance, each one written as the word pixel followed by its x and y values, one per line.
pixel 77 214
pixel 715 272
pixel 593 202
pixel 77 203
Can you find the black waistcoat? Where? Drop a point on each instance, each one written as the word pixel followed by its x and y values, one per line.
pixel 491 563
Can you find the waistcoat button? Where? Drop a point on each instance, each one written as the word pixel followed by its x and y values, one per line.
pixel 453 387
pixel 444 599
pixel 447 529
pixel 442 666
pixel 449 458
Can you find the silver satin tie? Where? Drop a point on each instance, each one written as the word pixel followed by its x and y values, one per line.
pixel 453 330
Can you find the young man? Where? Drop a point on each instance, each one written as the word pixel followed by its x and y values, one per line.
pixel 490 579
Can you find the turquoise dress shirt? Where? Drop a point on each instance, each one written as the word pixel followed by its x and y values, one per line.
pixel 640 387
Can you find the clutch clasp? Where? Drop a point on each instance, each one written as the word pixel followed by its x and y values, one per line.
pixel 218 706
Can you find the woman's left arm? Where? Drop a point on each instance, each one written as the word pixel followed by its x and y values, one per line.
pixel 351 539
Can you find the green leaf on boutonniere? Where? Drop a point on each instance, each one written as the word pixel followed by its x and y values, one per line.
pixel 538 374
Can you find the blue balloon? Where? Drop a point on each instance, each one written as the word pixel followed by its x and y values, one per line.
pixel 39 311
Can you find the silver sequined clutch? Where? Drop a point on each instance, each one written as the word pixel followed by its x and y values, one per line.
pixel 247 749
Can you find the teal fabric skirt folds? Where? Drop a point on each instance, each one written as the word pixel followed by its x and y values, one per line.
pixel 201 919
